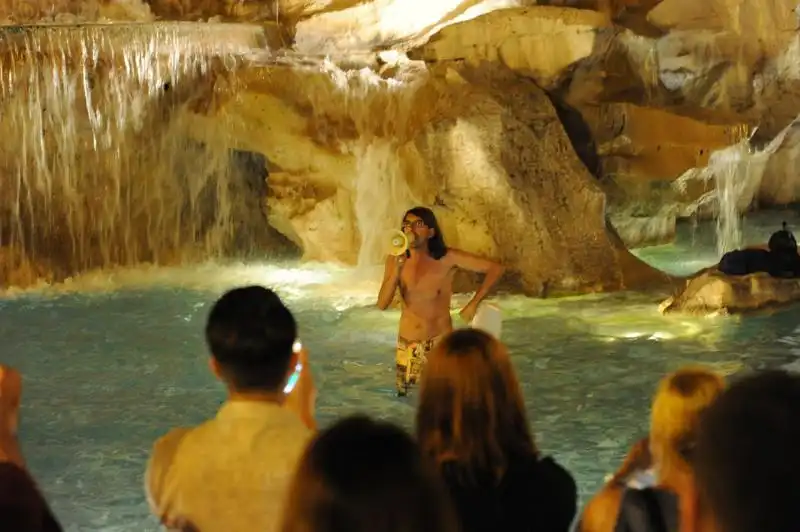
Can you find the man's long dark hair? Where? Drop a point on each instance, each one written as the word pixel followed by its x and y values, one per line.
pixel 436 246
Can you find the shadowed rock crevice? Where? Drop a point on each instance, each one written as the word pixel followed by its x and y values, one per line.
pixel 580 135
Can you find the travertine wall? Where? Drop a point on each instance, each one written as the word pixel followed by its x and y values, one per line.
pixel 468 124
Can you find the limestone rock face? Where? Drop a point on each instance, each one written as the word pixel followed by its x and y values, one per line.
pixel 729 63
pixel 486 127
pixel 712 292
pixel 352 151
pixel 72 11
pixel 659 85
pixel 640 150
pixel 656 104
pixel 541 42
pixel 511 174
pixel 383 24
pixel 725 61
pixel 780 181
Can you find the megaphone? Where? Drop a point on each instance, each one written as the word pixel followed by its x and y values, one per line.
pixel 398 244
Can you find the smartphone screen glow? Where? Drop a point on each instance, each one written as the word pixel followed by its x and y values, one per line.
pixel 292 382
pixel 295 376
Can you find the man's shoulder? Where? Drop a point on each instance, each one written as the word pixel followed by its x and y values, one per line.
pixel 281 425
pixel 167 445
pixel 456 252
pixel 159 464
pixel 453 255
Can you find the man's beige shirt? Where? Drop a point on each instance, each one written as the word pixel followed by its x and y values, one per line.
pixel 232 472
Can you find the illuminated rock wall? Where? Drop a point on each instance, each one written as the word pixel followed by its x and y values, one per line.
pixel 528 128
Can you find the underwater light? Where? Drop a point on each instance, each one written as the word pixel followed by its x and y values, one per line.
pixel 294 276
pixel 658 335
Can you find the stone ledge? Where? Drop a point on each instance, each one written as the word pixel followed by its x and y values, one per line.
pixel 713 293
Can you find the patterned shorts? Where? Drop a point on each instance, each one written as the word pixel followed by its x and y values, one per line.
pixel 411 356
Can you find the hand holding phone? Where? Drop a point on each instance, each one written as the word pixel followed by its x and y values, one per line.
pixel 298 368
pixel 300 392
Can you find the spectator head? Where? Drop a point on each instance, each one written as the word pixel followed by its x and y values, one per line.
pixel 471 408
pixel 251 334
pixel 361 475
pixel 748 468
pixel 679 402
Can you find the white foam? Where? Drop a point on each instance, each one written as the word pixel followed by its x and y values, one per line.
pixel 343 286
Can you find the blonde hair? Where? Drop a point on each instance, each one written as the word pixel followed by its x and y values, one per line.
pixel 680 399
pixel 471 408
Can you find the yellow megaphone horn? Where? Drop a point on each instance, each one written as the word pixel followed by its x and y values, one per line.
pixel 398 243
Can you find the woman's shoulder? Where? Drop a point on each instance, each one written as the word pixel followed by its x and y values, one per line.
pixel 547 466
pixel 544 474
pixel 526 473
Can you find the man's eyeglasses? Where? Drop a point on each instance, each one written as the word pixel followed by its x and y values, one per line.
pixel 416 224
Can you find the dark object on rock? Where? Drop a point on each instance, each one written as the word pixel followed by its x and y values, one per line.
pixel 783 241
pixel 744 261
pixel 781 260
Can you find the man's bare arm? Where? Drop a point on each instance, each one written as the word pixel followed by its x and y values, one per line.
pixel 391 280
pixel 474 263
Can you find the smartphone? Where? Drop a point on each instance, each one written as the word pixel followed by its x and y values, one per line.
pixel 642 479
pixel 295 376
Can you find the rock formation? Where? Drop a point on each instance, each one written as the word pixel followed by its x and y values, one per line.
pixel 483 146
pixel 529 128
pixel 712 293
pixel 657 103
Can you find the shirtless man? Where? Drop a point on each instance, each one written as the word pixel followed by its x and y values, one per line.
pixel 425 277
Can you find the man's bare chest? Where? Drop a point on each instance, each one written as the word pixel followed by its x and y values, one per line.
pixel 425 276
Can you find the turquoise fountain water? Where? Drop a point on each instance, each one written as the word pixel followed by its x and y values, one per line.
pixel 113 360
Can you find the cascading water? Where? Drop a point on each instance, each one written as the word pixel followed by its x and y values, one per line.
pixel 731 170
pixel 737 172
pixel 382 196
pixel 381 190
pixel 101 164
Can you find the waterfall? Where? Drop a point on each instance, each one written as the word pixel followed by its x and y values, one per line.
pixel 101 164
pixel 731 174
pixel 380 109
pixel 382 197
pixel 737 172
pixel 736 175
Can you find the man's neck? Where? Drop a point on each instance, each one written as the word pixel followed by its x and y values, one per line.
pixel 419 252
pixel 256 397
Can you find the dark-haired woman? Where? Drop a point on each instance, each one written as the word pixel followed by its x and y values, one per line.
pixel 471 421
